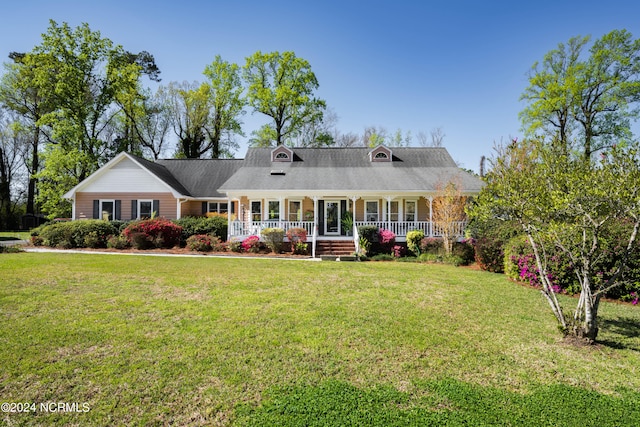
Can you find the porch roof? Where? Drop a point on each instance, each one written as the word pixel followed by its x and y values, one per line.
pixel 412 169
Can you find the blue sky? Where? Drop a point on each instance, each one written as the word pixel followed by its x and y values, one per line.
pixel 409 65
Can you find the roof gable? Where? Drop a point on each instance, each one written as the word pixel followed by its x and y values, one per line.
pixel 118 174
pixel 380 154
pixel 281 154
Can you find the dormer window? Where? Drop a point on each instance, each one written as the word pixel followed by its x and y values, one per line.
pixel 380 154
pixel 281 154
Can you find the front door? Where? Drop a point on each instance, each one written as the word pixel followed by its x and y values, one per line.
pixel 332 217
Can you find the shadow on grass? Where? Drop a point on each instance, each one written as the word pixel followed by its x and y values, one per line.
pixel 448 402
pixel 626 329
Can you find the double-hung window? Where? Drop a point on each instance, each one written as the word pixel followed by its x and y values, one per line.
pixel 256 210
pixel 107 209
pixel 145 209
pixel 371 212
pixel 295 210
pixel 274 209
pixel 218 207
pixel 410 210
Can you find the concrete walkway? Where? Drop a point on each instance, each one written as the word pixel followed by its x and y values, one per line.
pixel 13 243
pixel 161 254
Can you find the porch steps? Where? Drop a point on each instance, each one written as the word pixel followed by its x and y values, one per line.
pixel 334 248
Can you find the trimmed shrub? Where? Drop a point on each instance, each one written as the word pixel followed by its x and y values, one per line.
pixel 76 234
pixel 193 225
pixel 117 242
pixel 414 237
pixel 94 241
pixel 300 248
pixel 489 254
pixel 157 232
pixel 464 251
pixel 235 245
pixel 369 232
pixel 273 238
pixel 202 242
pixel 251 244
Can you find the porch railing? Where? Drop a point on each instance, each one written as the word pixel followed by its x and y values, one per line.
pixel 399 228
pixel 240 228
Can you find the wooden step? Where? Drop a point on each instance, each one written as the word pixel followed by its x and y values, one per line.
pixel 334 247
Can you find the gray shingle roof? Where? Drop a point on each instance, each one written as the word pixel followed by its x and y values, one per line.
pixel 349 169
pixel 201 177
pixel 159 170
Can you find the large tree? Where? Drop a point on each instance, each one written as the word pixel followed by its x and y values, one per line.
pixel 13 143
pixel 19 94
pixel 563 203
pixel 226 106
pixel 585 100
pixel 189 106
pixel 282 86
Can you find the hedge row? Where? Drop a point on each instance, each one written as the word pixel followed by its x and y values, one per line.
pixel 142 234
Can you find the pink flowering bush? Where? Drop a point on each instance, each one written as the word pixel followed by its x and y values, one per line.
pixel 386 239
pixel 251 244
pixel 156 232
pixel 202 242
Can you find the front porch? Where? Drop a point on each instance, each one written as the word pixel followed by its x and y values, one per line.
pixel 333 218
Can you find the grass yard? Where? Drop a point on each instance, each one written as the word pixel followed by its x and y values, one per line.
pixel 14 235
pixel 251 342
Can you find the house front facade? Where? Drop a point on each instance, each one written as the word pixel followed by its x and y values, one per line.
pixel 317 189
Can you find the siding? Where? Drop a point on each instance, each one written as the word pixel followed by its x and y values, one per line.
pixel 84 203
pixel 120 177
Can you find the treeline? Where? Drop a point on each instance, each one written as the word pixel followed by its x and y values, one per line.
pixel 77 99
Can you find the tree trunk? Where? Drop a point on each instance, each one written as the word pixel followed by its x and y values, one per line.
pixel 35 165
pixel 586 315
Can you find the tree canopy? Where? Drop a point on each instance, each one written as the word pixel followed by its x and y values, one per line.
pixel 282 86
pixel 585 100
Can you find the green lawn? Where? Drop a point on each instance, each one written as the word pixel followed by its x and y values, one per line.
pixel 211 341
pixel 14 235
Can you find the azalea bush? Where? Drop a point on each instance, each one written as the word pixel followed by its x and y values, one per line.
pixel 156 232
pixel 201 242
pixel 297 235
pixel 251 244
pixel 489 254
pixel 387 240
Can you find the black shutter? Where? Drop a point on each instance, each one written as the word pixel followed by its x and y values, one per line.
pixel 205 208
pixel 343 209
pixel 134 209
pixel 156 208
pixel 118 209
pixel 96 209
pixel 320 217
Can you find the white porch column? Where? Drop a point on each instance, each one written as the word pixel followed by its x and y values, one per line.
pixel 430 216
pixel 229 208
pixel 353 201
pixel 315 226
pixel 281 214
pixel 388 213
